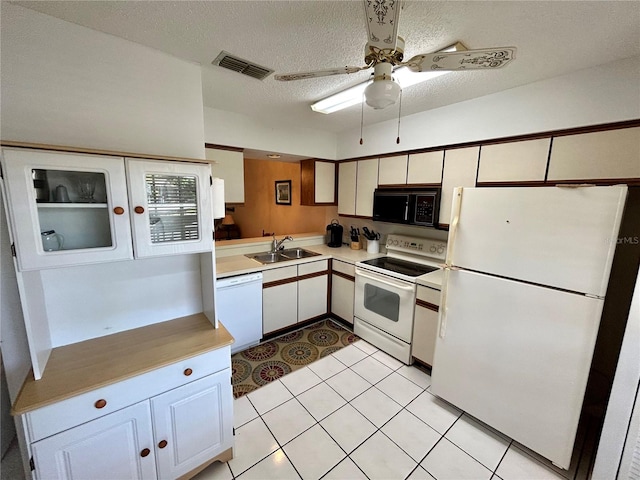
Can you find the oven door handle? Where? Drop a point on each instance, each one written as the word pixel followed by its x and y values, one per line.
pixel 386 282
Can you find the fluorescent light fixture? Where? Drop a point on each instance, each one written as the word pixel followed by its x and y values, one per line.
pixel 407 78
pixel 353 95
pixel 344 99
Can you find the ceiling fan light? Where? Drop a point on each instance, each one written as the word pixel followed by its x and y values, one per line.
pixel 382 94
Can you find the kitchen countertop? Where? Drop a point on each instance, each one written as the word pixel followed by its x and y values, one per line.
pixel 85 366
pixel 240 264
pixel 431 279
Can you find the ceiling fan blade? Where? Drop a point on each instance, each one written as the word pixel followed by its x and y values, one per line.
pixel 466 60
pixel 286 77
pixel 381 17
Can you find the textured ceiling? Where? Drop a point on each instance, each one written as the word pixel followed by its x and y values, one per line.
pixel 552 37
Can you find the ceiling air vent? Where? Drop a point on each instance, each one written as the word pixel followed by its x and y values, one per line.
pixel 228 61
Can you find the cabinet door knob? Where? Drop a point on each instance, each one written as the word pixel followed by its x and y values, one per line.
pixel 145 452
pixel 162 444
pixel 118 210
pixel 188 372
pixel 139 209
pixel 100 403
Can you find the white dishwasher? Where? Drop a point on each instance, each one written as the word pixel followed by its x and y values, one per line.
pixel 239 307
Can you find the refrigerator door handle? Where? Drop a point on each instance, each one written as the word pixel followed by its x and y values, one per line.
pixel 457 205
pixel 442 328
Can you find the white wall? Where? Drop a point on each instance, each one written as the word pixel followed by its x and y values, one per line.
pixel 69 85
pixel 603 94
pixel 236 130
pixel 64 84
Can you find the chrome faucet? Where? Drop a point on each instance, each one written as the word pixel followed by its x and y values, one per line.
pixel 277 244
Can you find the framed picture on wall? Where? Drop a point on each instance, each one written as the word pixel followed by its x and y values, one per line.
pixel 283 192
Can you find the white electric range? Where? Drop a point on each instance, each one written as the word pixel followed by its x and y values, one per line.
pixel 385 292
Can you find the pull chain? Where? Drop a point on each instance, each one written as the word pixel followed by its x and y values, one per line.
pixel 361 117
pixel 399 114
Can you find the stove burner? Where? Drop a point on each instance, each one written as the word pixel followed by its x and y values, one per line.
pixel 400 266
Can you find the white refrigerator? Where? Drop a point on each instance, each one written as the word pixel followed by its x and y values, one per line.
pixel 526 273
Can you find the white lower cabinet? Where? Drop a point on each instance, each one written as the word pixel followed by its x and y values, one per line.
pixel 190 425
pixel 342 290
pixel 312 297
pixel 293 294
pixel 118 445
pixel 425 324
pixel 279 306
pixel 166 436
pixel 312 291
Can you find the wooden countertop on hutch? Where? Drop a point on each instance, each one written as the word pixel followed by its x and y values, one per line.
pixel 82 367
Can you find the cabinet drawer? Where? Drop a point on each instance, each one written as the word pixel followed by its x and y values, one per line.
pixel 279 274
pixel 73 411
pixel 344 267
pixel 429 295
pixel 313 267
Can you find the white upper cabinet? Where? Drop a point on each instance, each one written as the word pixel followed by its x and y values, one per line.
pixel 170 207
pixel 524 161
pixel 347 188
pixel 66 209
pixel 229 165
pixel 393 170
pixel 367 181
pixel 325 182
pixel 600 155
pixel 70 209
pixel 425 167
pixel 317 182
pixel 460 167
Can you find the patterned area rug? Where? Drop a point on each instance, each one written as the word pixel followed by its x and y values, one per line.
pixel 269 361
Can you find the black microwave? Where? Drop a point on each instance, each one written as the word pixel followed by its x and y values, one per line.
pixel 409 206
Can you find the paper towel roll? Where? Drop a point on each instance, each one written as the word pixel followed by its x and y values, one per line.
pixel 218 197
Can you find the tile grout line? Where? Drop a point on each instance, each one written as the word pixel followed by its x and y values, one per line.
pixel 348 402
pixel 495 471
pixel 378 429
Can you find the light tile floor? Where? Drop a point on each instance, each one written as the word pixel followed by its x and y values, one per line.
pixel 361 414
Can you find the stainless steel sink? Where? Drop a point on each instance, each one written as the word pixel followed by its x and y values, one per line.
pixel 295 253
pixel 266 257
pixel 281 256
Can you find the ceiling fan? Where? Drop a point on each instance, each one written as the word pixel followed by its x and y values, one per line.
pixel 384 53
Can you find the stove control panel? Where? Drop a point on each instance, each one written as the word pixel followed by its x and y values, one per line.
pixel 417 246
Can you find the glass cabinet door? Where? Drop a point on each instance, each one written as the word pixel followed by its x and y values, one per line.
pixel 171 207
pixel 66 209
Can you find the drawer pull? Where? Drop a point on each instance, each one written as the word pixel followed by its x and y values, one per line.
pixel 145 452
pixel 118 210
pixel 100 403
pixel 139 209
pixel 162 444
pixel 188 372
